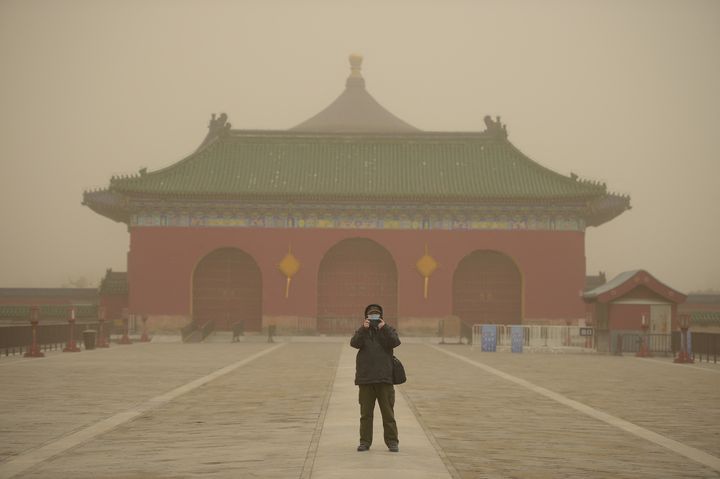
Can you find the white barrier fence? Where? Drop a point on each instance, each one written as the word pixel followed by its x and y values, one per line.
pixel 536 336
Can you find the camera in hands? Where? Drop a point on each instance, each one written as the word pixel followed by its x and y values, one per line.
pixel 374 320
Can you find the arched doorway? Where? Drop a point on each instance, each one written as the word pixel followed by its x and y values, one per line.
pixel 353 274
pixel 227 288
pixel 487 288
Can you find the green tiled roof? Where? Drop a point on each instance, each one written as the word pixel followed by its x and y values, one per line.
pixel 114 282
pixel 56 311
pixel 705 318
pixel 70 294
pixel 296 165
pixel 14 311
pixel 355 150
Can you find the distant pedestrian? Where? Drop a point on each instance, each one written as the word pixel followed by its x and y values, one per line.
pixel 375 340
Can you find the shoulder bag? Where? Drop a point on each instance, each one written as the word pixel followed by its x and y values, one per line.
pixel 398 372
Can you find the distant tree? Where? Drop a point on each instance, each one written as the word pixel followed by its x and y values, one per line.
pixel 79 282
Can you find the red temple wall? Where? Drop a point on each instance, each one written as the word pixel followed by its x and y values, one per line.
pixel 114 305
pixel 627 316
pixel 161 263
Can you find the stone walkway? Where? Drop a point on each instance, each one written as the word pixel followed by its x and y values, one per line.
pixel 336 456
pixel 289 409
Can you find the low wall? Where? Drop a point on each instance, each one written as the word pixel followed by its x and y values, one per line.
pixel 447 326
pixel 160 323
pixel 554 322
pixel 291 324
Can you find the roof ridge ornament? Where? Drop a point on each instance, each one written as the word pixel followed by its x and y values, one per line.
pixel 355 79
pixel 495 129
pixel 218 127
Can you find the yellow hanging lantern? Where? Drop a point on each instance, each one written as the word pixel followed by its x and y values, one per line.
pixel 426 265
pixel 288 266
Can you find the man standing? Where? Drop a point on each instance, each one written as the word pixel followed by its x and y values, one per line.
pixel 375 340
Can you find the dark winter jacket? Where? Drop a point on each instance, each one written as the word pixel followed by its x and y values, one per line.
pixel 374 363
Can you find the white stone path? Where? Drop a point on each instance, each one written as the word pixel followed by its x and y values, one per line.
pixel 336 456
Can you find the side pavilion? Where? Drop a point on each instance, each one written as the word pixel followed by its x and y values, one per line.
pixel 628 302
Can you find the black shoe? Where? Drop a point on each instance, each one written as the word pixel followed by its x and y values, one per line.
pixel 363 447
pixel 393 447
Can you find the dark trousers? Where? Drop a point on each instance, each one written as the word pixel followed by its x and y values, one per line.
pixel 385 396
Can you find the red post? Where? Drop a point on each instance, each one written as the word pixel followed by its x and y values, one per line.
pixel 34 351
pixel 644 339
pixel 71 345
pixel 125 339
pixel 683 356
pixel 144 338
pixel 589 324
pixel 102 341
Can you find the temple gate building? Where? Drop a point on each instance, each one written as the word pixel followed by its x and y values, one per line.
pixel 303 227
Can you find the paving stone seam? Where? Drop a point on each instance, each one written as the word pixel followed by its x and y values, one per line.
pixel 431 437
pixel 306 472
pixel 35 457
pixel 692 453
pixel 53 355
pixel 687 366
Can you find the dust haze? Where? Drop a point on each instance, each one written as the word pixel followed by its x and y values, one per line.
pixel 625 92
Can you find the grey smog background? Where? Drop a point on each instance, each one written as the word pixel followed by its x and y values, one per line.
pixel 624 92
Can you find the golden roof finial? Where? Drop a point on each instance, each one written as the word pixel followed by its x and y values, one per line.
pixel 355 65
pixel 355 79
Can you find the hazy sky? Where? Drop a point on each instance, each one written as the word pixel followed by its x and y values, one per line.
pixel 626 92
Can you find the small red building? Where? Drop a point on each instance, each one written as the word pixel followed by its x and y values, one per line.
pixel 628 302
pixel 303 227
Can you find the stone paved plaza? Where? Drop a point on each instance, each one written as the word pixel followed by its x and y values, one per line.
pixel 289 410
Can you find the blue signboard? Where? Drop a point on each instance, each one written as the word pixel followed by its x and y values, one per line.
pixel 489 337
pixel 517 336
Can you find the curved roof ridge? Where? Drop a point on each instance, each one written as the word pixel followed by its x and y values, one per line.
pixel 206 145
pixel 621 285
pixel 546 170
pixel 612 284
pixel 483 169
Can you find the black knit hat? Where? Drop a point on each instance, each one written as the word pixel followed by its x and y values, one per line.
pixel 373 308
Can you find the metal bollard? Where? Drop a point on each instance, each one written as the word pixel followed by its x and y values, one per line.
pixel 102 341
pixel 34 350
pixel 125 339
pixel 683 356
pixel 71 347
pixel 144 338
